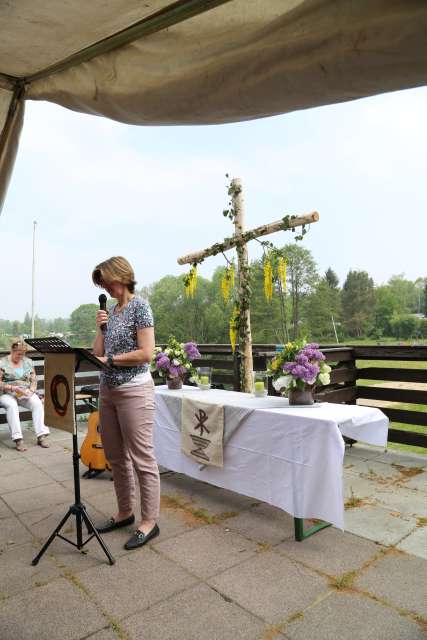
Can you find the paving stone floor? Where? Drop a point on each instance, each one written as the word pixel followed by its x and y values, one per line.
pixel 225 567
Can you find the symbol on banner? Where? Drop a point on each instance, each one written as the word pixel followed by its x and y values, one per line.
pixel 59 405
pixel 202 417
pixel 201 444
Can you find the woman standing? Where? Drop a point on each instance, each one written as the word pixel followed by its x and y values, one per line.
pixel 18 383
pixel 125 342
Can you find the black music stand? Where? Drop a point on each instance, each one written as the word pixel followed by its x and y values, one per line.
pixel 55 345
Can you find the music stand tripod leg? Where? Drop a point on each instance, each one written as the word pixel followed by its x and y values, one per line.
pixel 52 536
pixel 91 528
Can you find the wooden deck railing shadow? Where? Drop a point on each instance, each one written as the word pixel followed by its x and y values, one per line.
pixel 347 372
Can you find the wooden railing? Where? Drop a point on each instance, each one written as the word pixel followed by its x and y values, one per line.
pixel 393 395
pixel 347 386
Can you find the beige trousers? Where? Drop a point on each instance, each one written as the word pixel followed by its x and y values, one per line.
pixel 126 424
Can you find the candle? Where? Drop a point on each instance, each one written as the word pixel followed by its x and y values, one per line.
pixel 259 386
pixel 204 379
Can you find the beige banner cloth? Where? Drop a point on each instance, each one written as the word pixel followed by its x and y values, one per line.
pixel 242 60
pixel 202 432
pixel 59 371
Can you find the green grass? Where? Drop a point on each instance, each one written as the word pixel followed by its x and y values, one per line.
pixel 373 342
pixel 396 446
pixel 345 581
pixel 422 408
pixel 391 364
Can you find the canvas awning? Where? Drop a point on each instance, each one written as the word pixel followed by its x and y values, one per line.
pixel 202 61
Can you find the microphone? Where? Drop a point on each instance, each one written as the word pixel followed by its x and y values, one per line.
pixel 103 307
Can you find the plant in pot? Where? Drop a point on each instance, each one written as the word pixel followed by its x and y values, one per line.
pixel 297 370
pixel 174 362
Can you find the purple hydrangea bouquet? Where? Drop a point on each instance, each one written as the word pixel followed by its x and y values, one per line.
pixel 298 369
pixel 174 362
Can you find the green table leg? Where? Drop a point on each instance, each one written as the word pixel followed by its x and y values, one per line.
pixel 301 535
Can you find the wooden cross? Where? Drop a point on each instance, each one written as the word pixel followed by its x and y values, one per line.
pixel 240 240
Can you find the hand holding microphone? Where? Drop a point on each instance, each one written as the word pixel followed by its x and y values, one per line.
pixel 102 315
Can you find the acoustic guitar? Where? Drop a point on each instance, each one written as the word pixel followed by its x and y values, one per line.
pixel 92 452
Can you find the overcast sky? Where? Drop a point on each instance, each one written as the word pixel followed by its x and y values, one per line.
pixel 98 188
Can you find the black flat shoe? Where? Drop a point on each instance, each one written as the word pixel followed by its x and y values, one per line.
pixel 111 524
pixel 139 538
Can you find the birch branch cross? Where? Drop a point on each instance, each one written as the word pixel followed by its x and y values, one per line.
pixel 240 240
pixel 243 238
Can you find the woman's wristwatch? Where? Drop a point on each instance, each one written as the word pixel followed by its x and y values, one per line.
pixel 110 361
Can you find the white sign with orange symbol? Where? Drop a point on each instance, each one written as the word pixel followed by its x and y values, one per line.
pixel 59 391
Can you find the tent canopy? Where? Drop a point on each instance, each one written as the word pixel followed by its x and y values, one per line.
pixel 202 61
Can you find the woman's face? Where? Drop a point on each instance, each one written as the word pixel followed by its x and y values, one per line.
pixel 114 289
pixel 17 354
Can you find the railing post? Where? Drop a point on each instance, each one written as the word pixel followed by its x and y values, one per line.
pixel 237 385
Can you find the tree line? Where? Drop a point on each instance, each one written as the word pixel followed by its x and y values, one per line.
pixel 312 305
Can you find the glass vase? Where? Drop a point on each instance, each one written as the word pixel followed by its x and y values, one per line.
pixel 204 377
pixel 260 384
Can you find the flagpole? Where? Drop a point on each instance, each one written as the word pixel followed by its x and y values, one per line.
pixel 335 330
pixel 33 278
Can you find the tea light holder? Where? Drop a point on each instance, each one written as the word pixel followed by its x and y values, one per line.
pixel 260 384
pixel 204 377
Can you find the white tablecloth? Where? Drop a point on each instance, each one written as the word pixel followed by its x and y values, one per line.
pixel 289 457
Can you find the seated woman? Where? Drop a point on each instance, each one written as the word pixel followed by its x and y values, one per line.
pixel 18 384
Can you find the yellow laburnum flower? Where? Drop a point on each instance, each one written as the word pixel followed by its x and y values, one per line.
pixel 227 282
pixel 225 285
pixel 268 279
pixel 187 283
pixel 281 272
pixel 234 321
pixel 232 275
pixel 190 282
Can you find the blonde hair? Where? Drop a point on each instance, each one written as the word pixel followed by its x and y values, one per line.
pixel 18 343
pixel 115 269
